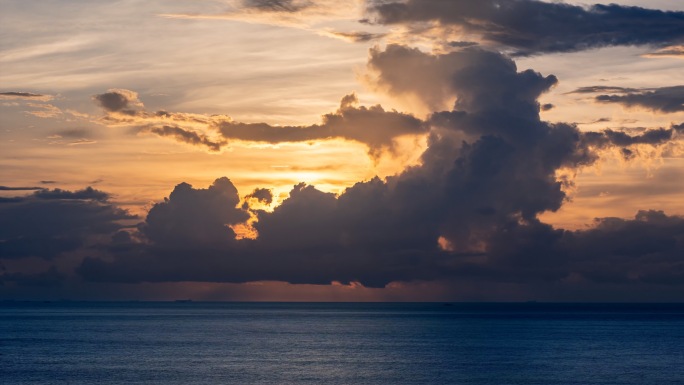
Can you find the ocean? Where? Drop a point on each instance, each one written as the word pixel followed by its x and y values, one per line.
pixel 340 343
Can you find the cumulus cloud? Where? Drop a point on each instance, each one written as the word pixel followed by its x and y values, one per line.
pixel 51 222
pixel 402 70
pixel 531 26
pixel 87 193
pixel 468 212
pixel 197 216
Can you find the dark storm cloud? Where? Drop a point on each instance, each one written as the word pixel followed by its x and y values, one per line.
pixel 665 99
pixel 380 231
pixel 530 26
pixel 645 250
pixel 468 213
pixel 50 222
pixel 649 248
pixel 187 136
pixel 195 216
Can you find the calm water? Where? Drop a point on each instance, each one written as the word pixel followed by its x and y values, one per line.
pixel 269 343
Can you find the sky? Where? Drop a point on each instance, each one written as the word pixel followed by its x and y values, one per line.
pixel 317 150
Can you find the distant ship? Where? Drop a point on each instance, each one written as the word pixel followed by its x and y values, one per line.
pixel 183 300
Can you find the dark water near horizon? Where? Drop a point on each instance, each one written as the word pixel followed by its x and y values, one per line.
pixel 340 343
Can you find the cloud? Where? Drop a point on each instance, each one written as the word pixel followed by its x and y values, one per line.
pixel 468 213
pixel 73 133
pixel 438 79
pixel 665 99
pixel 187 136
pixel 262 195
pixel 51 222
pixel 599 89
pixel 87 193
pixel 9 188
pixel 288 6
pixel 25 96
pixel 195 216
pixel 372 126
pixel 610 137
pixel 45 110
pixel 75 136
pixel 675 51
pixel 48 278
pixel 307 15
pixel 354 36
pixel 532 27
pixel 118 100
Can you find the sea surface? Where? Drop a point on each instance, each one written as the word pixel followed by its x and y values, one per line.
pixel 340 343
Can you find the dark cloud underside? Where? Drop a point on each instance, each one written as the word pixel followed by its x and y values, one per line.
pixel 50 222
pixel 372 126
pixel 530 26
pixel 287 6
pixel 664 100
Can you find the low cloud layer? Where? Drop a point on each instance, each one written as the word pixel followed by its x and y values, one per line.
pixel 530 26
